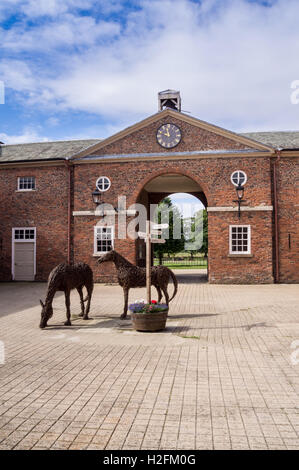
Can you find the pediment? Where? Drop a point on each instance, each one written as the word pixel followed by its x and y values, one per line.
pixel 197 136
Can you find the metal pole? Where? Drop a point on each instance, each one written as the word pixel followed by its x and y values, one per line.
pixel 148 261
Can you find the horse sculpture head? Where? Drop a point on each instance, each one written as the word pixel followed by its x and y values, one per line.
pixel 109 256
pixel 46 313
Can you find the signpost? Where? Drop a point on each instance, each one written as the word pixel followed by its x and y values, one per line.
pixel 151 229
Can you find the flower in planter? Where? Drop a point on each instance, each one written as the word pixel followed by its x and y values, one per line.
pixel 142 307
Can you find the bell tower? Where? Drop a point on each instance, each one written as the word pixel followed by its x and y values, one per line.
pixel 169 99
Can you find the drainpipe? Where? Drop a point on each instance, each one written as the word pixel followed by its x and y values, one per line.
pixel 69 211
pixel 276 223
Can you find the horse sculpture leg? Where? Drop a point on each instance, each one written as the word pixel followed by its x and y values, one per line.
pixel 126 296
pixel 89 293
pixel 159 293
pixel 68 311
pixel 164 289
pixel 80 292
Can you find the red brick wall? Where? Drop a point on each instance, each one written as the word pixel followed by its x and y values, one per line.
pixel 213 175
pixel 226 269
pixel 288 215
pixel 193 138
pixel 45 209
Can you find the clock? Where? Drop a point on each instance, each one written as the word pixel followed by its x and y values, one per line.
pixel 169 135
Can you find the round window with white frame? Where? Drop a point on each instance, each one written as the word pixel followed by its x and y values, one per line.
pixel 238 178
pixel 103 183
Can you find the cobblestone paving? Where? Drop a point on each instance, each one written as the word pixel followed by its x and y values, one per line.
pixel 219 377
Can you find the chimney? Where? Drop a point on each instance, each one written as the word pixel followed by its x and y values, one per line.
pixel 169 99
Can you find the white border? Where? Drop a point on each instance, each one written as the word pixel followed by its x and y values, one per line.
pixel 103 190
pixel 240 171
pixel 248 252
pixel 95 252
pixel 13 241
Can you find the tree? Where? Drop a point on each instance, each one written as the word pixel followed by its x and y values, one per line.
pixel 197 233
pixel 172 245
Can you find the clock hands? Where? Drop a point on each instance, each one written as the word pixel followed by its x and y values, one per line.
pixel 173 134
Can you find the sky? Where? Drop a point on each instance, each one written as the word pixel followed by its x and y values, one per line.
pixel 187 204
pixel 88 68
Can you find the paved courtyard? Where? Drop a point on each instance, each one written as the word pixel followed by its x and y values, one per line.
pixel 223 375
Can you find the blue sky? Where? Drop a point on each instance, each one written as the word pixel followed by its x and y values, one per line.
pixel 85 69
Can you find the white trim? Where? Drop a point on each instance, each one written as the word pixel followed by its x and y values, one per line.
pixel 25 190
pixel 95 252
pixel 13 241
pixel 243 209
pixel 238 171
pixel 95 213
pixel 29 189
pixel 101 189
pixel 248 252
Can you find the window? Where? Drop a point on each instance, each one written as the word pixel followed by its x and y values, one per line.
pixel 239 239
pixel 103 183
pixel 26 183
pixel 24 234
pixel 103 239
pixel 238 177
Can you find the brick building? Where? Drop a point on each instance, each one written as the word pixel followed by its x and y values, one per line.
pixel 48 214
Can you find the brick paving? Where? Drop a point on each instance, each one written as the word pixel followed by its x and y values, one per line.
pixel 219 377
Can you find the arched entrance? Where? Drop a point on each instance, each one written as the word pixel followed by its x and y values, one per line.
pixel 189 268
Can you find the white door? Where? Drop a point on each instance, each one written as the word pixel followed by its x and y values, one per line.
pixel 23 254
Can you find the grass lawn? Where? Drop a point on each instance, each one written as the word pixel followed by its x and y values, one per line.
pixel 182 265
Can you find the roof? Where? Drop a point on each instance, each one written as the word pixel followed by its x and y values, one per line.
pixel 62 150
pixel 125 156
pixel 278 139
pixel 59 150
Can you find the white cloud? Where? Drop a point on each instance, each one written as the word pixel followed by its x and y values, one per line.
pixel 233 61
pixel 17 75
pixel 38 8
pixel 26 137
pixel 67 32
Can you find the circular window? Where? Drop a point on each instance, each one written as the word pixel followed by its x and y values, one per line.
pixel 238 177
pixel 103 183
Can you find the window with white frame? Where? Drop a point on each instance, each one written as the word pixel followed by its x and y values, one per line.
pixel 103 239
pixel 239 239
pixel 238 178
pixel 103 183
pixel 24 234
pixel 26 183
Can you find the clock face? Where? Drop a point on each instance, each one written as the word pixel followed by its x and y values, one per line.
pixel 169 135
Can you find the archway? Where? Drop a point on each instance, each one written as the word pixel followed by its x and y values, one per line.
pixel 174 185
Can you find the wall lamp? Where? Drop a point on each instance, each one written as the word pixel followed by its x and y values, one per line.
pixel 97 199
pixel 240 195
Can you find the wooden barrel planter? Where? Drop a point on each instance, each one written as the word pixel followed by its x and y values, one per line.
pixel 149 321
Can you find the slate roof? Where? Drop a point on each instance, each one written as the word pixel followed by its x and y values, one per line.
pixel 61 150
pixel 278 140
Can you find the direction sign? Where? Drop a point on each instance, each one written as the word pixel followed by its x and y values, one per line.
pixel 156 232
pixel 159 226
pixel 158 240
pixel 142 234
